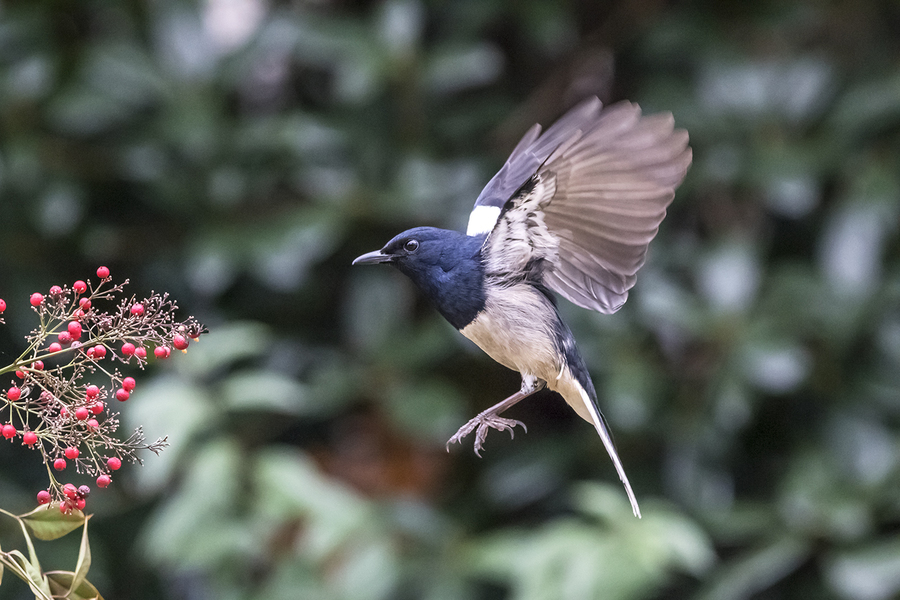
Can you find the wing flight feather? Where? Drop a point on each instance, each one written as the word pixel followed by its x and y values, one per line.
pixel 586 198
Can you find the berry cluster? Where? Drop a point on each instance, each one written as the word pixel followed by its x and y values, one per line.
pixel 57 399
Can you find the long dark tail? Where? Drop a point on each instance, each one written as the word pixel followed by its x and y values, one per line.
pixel 589 397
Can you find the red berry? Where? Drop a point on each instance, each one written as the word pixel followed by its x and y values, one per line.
pixel 13 393
pixel 103 481
pixel 72 452
pixel 129 383
pixel 64 337
pixel 97 408
pixel 55 290
pixel 29 438
pixel 78 314
pixel 102 272
pixel 137 309
pixel 9 431
pixel 59 464
pixel 74 328
pixel 54 347
pixel 79 503
pixel 79 286
pixel 114 463
pixel 36 299
pixel 43 497
pixel 93 424
pixel 122 395
pixel 70 491
pixel 20 374
pixel 66 507
pixel 140 352
pixel 180 342
pixel 92 391
pixel 84 303
pixel 99 351
pixel 2 304
pixel 81 413
pixel 38 365
pixel 128 348
pixel 161 352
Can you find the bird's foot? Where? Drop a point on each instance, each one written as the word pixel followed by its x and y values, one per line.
pixel 481 424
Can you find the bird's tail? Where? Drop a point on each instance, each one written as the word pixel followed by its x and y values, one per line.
pixel 606 438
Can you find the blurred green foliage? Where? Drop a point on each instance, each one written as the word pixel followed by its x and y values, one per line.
pixel 239 153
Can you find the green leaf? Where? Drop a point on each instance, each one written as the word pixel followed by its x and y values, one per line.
pixel 664 537
pixel 603 501
pixel 200 535
pixel 608 554
pixel 226 345
pixel 27 572
pixel 453 68
pixel 62 584
pixel 758 570
pixel 867 106
pixel 31 569
pixel 84 559
pixel 871 571
pixel 293 485
pixel 48 523
pixel 426 410
pixel 15 561
pixel 265 390
pixel 162 397
pixel 369 294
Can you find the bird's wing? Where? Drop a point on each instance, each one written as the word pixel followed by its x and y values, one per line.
pixel 531 151
pixel 578 206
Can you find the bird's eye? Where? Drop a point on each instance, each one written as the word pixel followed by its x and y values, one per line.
pixel 411 246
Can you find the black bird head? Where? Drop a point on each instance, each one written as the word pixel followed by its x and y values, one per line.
pixel 446 265
pixel 412 248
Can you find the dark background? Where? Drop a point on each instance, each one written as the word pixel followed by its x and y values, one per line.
pixel 240 153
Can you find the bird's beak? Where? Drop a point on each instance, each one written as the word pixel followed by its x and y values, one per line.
pixel 370 258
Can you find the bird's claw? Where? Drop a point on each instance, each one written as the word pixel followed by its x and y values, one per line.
pixel 481 425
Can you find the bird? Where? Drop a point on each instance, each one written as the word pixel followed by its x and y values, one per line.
pixel 571 212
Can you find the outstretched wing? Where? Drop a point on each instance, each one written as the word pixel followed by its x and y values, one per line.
pixel 578 206
pixel 531 151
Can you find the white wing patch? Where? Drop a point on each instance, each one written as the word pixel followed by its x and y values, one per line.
pixel 482 219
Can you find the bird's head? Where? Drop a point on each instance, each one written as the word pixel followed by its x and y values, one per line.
pixel 445 265
pixel 420 250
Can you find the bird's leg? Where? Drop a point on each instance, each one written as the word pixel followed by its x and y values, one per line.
pixel 490 419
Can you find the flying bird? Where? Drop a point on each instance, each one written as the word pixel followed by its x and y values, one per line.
pixel 571 212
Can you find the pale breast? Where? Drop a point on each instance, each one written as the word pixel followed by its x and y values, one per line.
pixel 517 329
